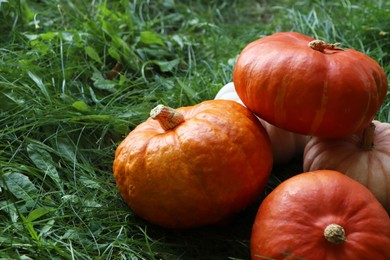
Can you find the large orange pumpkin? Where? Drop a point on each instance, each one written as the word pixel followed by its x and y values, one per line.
pixel 364 157
pixel 321 215
pixel 309 87
pixel 193 166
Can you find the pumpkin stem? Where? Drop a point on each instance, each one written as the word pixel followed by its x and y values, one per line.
pixel 168 117
pixel 367 140
pixel 319 45
pixel 334 233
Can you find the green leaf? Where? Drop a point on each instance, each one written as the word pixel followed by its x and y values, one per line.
pixel 38 81
pixel 102 83
pixel 10 208
pixel 66 149
pixel 31 230
pixel 48 35
pixel 46 228
pixel 37 213
pixel 166 66
pixel 179 40
pixel 114 54
pixel 21 187
pixel 93 54
pixel 149 37
pixel 91 184
pixel 81 106
pixel 43 160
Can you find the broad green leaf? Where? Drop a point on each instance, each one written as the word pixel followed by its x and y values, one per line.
pixel 89 204
pixel 68 36
pixel 37 213
pixel 38 81
pixel 114 54
pixel 30 228
pixel 43 160
pixel 108 28
pixel 178 39
pixel 166 66
pixel 48 35
pixel 149 37
pixel 21 187
pixel 101 83
pixel 70 198
pixel 93 54
pixel 66 149
pixel 169 3
pixel 71 234
pixel 46 228
pixel 31 37
pixel 89 183
pixel 10 208
pixel 81 106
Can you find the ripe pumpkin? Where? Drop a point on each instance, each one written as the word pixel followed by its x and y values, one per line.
pixel 308 86
pixel 364 157
pixel 195 165
pixel 321 215
pixel 285 145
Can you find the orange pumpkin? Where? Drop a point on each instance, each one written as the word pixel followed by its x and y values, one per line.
pixel 308 86
pixel 193 166
pixel 364 157
pixel 321 215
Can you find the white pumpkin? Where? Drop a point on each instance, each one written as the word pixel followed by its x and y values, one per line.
pixel 285 145
pixel 364 157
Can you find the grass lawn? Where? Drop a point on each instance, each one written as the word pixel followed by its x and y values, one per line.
pixel 77 76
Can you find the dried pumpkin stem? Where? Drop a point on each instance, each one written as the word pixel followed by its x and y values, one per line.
pixel 322 45
pixel 334 233
pixel 367 140
pixel 168 117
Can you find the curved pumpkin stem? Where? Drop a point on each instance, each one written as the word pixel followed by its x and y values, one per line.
pixel 334 233
pixel 319 45
pixel 367 141
pixel 168 117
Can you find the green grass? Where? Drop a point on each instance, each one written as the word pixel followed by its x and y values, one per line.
pixel 61 119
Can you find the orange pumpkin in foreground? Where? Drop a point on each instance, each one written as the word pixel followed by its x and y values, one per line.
pixel 193 166
pixel 308 86
pixel 321 215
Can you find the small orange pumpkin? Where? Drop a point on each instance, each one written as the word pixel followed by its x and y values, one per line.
pixel 308 86
pixel 193 166
pixel 321 215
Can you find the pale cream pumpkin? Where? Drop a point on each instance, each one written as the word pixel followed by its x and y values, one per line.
pixel 364 157
pixel 285 145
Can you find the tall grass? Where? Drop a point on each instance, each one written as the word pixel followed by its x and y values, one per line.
pixel 77 76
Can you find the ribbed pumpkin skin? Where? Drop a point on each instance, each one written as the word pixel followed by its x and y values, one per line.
pixel 203 171
pixel 369 167
pixel 291 220
pixel 329 94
